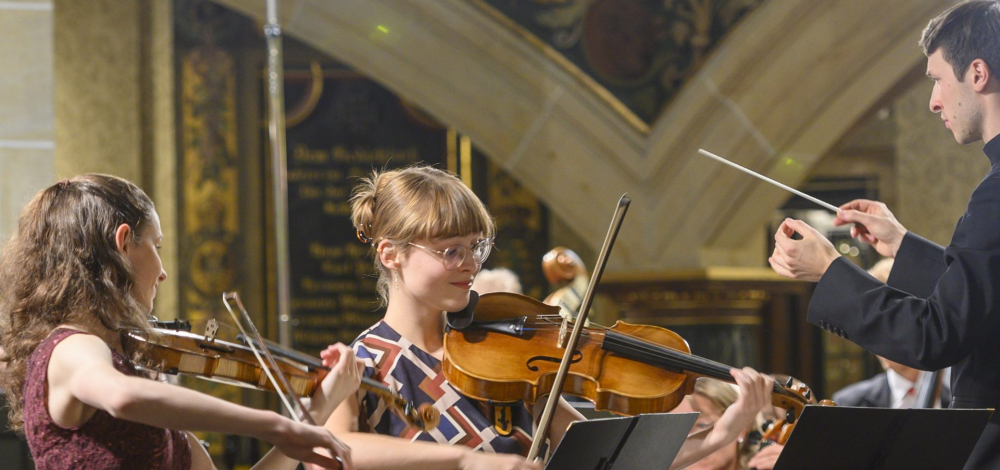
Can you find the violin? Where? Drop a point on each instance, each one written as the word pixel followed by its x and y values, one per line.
pixel 511 350
pixel 175 351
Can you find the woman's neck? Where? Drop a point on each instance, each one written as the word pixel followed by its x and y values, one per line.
pixel 420 325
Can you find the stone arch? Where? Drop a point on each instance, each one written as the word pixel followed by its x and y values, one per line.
pixel 781 89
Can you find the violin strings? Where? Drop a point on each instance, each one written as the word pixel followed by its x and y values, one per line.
pixel 693 363
pixel 641 346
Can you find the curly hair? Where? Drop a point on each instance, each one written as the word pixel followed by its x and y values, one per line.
pixel 61 265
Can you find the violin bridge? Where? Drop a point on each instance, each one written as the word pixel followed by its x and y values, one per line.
pixel 563 334
pixel 211 330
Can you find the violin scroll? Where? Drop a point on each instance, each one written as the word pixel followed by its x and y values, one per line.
pixel 562 265
pixel 424 417
pixel 779 430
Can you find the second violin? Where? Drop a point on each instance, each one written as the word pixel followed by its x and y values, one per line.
pixel 182 352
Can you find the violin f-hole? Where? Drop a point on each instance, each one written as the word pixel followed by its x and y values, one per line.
pixel 577 357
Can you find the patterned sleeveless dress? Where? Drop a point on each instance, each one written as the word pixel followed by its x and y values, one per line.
pixel 416 375
pixel 101 443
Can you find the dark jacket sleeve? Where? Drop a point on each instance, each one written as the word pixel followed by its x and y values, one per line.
pixel 930 331
pixel 918 266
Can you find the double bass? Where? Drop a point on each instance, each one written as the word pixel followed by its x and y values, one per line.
pixel 563 267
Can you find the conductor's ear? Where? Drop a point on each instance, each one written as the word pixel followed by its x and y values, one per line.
pixel 980 75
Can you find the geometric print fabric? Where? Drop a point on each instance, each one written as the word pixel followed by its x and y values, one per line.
pixel 416 375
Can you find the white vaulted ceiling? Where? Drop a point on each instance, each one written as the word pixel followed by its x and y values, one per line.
pixel 780 90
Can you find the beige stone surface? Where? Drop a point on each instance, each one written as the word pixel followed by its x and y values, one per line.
pixel 23 172
pixel 26 81
pixel 97 88
pixel 26 109
pixel 159 145
pixel 776 96
pixel 935 175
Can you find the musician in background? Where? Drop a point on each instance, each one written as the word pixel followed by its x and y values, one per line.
pixel 496 280
pixel 711 398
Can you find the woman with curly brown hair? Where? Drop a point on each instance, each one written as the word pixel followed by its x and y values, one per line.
pixel 81 269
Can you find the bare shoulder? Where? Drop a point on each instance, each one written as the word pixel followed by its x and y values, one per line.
pixel 79 350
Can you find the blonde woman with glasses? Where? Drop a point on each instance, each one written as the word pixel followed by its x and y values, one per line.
pixel 430 235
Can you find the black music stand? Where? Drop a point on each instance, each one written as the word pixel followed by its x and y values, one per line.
pixel 839 437
pixel 644 441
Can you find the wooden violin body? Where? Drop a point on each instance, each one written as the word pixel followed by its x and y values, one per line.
pixel 487 365
pixel 512 350
pixel 182 352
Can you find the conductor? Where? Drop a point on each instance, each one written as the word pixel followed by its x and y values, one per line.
pixel 941 306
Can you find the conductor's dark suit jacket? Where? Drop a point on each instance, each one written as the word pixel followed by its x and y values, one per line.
pixel 940 308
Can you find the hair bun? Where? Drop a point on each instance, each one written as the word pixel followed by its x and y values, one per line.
pixel 364 239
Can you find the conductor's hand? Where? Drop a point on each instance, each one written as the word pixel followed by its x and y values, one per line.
pixel 806 259
pixel 874 224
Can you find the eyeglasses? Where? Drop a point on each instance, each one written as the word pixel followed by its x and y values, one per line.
pixel 453 256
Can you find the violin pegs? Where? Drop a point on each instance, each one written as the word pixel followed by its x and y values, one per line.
pixel 789 382
pixel 807 394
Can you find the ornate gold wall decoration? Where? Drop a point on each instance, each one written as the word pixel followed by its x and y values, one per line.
pixel 208 181
pixel 209 177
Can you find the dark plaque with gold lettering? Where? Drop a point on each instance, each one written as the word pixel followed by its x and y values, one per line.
pixel 354 126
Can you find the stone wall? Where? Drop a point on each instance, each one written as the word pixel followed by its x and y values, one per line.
pixel 26 113
pixel 114 105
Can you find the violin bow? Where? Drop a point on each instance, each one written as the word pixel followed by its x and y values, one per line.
pixel 270 366
pixel 602 260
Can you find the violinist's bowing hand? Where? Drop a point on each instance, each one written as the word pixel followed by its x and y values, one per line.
pixel 755 393
pixel 766 458
pixel 806 259
pixel 476 460
pixel 305 442
pixel 343 380
pixel 874 224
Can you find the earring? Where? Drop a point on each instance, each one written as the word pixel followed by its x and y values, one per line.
pixel 395 281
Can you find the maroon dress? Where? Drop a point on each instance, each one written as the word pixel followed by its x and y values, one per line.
pixel 103 442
